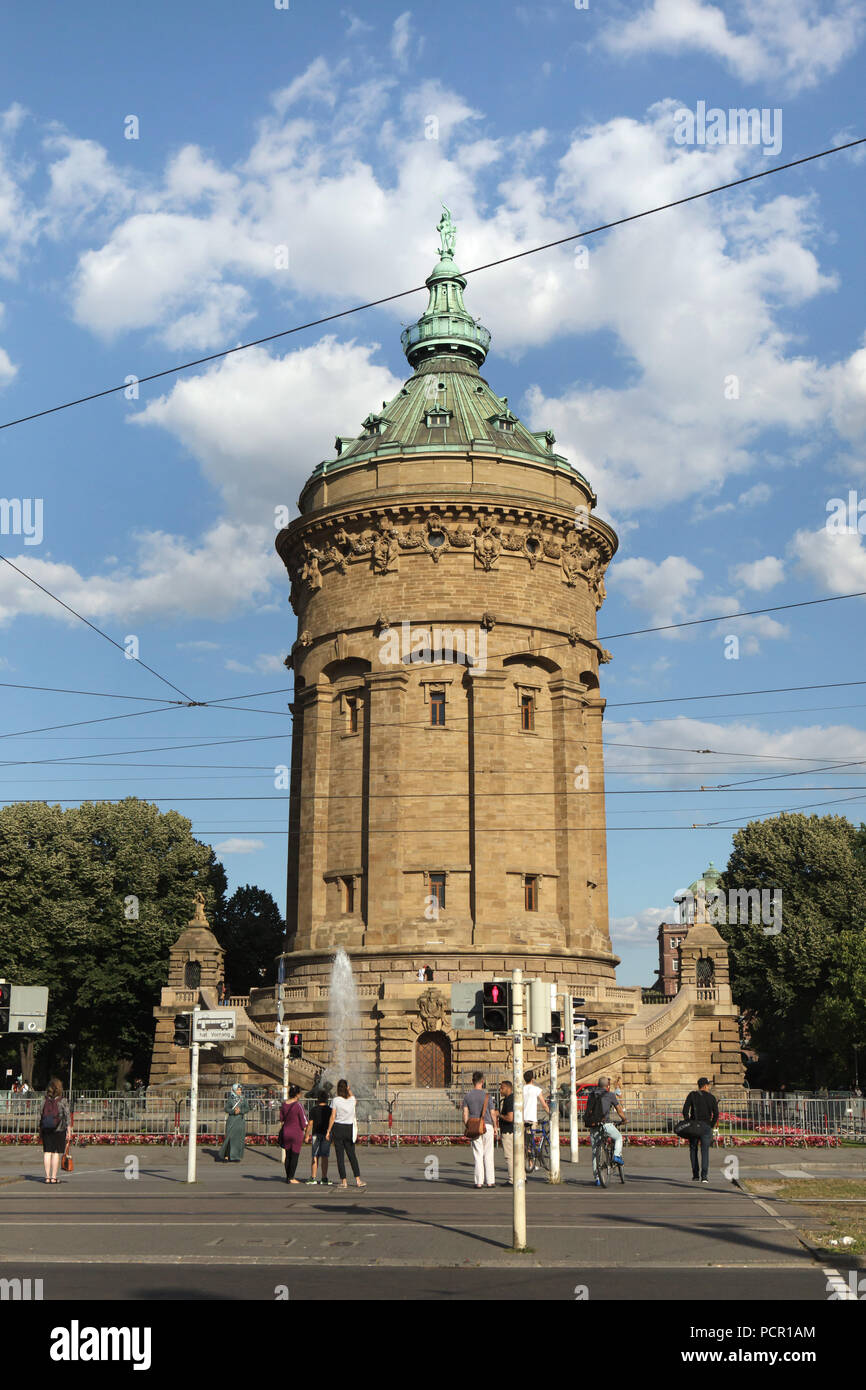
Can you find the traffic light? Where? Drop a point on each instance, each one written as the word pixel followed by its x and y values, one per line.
pixel 496 1006
pixel 5 1002
pixel 182 1030
pixel 556 1036
pixel 296 1044
pixel 590 1046
pixel 538 1008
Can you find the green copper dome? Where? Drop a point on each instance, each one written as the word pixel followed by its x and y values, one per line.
pixel 446 406
pixel 445 325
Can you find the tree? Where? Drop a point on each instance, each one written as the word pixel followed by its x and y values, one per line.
pixel 807 985
pixel 251 932
pixel 91 899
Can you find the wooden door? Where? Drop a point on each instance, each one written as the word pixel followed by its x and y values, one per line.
pixel 433 1061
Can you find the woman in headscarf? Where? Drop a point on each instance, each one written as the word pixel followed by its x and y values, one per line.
pixel 237 1105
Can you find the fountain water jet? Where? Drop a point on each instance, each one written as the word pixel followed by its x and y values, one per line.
pixel 344 1026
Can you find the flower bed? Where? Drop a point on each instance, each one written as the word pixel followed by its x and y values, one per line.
pixel 769 1137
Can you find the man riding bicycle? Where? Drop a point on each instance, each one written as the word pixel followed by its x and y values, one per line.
pixel 599 1103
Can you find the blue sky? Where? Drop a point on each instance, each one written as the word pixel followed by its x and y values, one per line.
pixel 705 369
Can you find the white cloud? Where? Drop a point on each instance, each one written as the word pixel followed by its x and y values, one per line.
pixel 835 560
pixel 740 751
pixel 258 424
pixel 641 929
pixel 661 590
pixel 773 40
pixel 229 570
pixel 400 39
pixel 8 370
pixel 754 496
pixel 760 574
pixel 238 846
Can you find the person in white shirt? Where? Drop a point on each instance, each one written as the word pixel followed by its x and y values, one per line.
pixel 342 1126
pixel 532 1098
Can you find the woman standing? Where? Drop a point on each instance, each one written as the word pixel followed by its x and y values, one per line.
pixel 342 1129
pixel 293 1128
pixel 54 1121
pixel 237 1105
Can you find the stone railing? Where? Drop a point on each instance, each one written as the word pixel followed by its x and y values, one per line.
pixel 706 994
pixel 186 996
pixel 238 1001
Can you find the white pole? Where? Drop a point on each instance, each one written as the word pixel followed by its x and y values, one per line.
pixel 554 1120
pixel 285 1038
pixel 572 1102
pixel 193 1102
pixel 519 1164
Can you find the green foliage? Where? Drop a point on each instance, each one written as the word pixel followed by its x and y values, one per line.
pixel 64 879
pixel 807 985
pixel 250 929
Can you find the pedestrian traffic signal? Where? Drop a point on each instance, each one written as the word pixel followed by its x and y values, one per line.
pixel 496 1006
pixel 5 1002
pixel 556 1036
pixel 296 1044
pixel 589 1035
pixel 182 1030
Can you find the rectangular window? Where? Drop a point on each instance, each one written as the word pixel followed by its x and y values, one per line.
pixel 437 890
pixel 530 892
pixel 675 965
pixel 352 706
pixel 348 895
pixel 437 707
pixel 527 713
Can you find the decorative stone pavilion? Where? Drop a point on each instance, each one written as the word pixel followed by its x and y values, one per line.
pixel 447 779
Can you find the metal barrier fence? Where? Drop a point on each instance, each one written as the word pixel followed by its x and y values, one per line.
pixel 788 1121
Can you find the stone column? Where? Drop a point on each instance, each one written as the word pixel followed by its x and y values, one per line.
pixel 490 853
pixel 315 702
pixel 381 828
pixel 573 809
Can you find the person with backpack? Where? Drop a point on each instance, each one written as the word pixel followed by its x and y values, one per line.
pixel 599 1103
pixel 54 1121
pixel 701 1108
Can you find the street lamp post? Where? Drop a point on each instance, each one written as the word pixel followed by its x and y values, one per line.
pixel 71 1052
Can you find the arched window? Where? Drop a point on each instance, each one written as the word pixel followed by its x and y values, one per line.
pixel 705 970
pixel 192 974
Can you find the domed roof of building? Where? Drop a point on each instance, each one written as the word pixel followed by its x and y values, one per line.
pixel 446 405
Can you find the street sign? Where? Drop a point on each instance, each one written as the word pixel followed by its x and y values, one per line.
pixel 215 1025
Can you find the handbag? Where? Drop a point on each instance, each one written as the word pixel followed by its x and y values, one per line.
pixel 689 1129
pixel 66 1162
pixel 475 1126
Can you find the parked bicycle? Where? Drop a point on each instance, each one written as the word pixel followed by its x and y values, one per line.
pixel 537 1146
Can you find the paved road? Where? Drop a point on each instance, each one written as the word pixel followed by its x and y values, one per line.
pixel 240 1231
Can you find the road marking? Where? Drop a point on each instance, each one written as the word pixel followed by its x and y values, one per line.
pixel 793 1173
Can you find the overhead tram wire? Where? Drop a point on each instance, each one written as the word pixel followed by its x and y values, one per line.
pixel 475 270
pixel 94 628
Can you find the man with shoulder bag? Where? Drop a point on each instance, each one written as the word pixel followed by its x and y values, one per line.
pixel 700 1117
pixel 480 1125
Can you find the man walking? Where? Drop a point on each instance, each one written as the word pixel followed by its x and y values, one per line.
pixel 702 1107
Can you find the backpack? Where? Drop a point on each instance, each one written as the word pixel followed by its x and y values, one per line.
pixel 50 1114
pixel 594 1112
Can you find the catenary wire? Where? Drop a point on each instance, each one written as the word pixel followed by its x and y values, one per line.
pixel 475 270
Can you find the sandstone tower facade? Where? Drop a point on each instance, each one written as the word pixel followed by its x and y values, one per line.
pixel 446 804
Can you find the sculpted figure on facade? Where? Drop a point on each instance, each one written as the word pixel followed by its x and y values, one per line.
pixel 434 1009
pixel 309 572
pixel 461 537
pixel 487 542
pixel 570 559
pixel 385 548
pixel 592 564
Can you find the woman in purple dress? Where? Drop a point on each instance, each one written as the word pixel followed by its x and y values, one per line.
pixel 293 1124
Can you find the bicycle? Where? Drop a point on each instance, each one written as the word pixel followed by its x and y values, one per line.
pixel 537 1147
pixel 603 1157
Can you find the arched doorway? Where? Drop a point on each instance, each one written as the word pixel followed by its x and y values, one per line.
pixel 433 1061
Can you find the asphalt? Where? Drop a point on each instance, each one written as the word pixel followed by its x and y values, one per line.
pixel 419 1230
